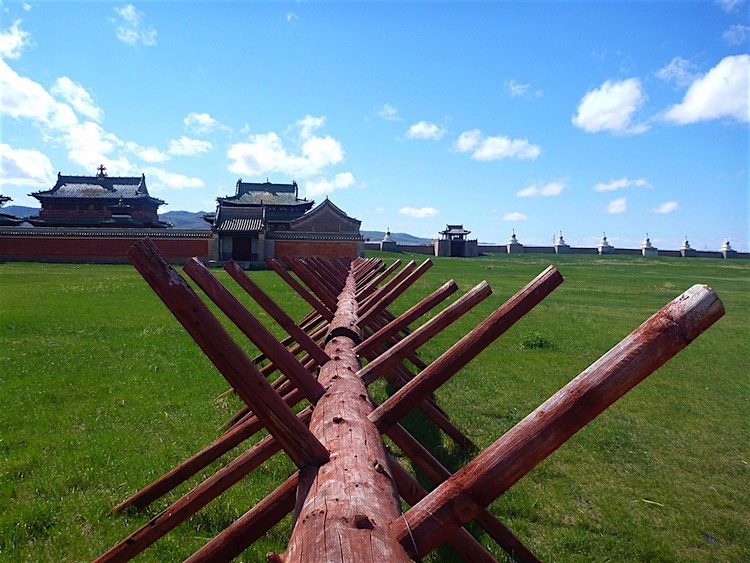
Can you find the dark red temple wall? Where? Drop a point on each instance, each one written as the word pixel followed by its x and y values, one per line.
pixel 95 249
pixel 315 248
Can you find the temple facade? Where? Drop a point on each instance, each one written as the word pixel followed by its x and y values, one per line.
pixel 453 241
pixel 263 220
pixel 98 201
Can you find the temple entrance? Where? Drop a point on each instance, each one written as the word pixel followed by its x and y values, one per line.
pixel 242 248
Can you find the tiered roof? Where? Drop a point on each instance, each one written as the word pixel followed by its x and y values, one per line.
pixel 266 193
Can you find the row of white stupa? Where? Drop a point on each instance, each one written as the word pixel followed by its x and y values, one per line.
pixel 647 249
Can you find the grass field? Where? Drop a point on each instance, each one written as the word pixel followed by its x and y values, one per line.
pixel 101 391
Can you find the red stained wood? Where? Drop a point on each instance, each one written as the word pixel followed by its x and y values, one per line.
pixel 522 448
pixel 254 330
pixel 442 369
pixel 301 446
pixel 193 501
pixel 429 329
pixel 241 534
pixel 378 302
pixel 324 311
pixel 276 312
pixel 345 506
pixel 406 318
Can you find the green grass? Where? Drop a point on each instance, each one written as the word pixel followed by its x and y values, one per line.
pixel 102 391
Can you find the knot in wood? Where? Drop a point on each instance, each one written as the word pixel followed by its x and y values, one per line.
pixel 338 419
pixel 362 522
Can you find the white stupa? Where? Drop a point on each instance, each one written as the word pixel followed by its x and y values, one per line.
pixel 726 249
pixel 604 247
pixel 648 249
pixel 513 245
pixel 686 249
pixel 560 246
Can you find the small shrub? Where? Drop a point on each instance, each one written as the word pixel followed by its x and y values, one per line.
pixel 536 341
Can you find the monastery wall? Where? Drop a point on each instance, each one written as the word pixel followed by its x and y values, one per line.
pixel 428 249
pixel 105 247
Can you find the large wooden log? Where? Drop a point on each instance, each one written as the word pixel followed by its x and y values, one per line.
pixel 345 506
pixel 427 524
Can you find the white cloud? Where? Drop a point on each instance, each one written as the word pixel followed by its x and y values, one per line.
pixel 419 212
pixel 202 123
pixel 308 125
pixel 539 189
pixel 21 97
pixel 90 145
pixel 77 96
pixel 666 207
pixel 162 179
pixel 514 216
pixel 425 130
pixel 679 72
pixel 617 206
pixel 721 93
pixel 468 140
pixel 147 154
pixel 389 112
pixel 730 6
pixel 265 153
pixel 185 146
pixel 736 34
pixel 495 147
pixel 321 187
pixel 611 107
pixel 23 167
pixel 621 183
pixel 516 89
pixel 291 17
pixel 130 27
pixel 13 40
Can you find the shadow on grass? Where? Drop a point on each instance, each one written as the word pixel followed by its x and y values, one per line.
pixel 451 455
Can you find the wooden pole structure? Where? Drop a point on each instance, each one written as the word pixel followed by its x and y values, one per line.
pixel 254 330
pixel 438 372
pixel 276 312
pixel 427 524
pixel 301 446
pixel 348 489
pixel 345 507
pixel 316 304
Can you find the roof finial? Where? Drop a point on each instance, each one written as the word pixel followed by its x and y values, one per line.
pixel 101 170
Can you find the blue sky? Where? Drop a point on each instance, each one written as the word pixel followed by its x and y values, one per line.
pixel 582 117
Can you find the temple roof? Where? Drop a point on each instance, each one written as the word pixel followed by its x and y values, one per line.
pixel 266 193
pixel 326 217
pixel 454 230
pixel 100 186
pixel 239 219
